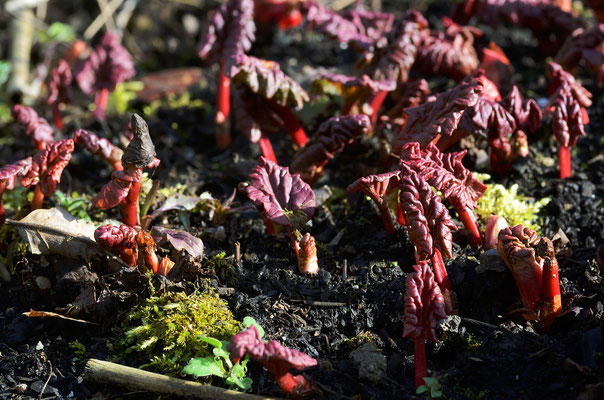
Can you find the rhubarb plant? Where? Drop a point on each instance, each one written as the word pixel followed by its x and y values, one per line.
pixel 446 173
pixel 264 97
pixel 533 264
pixel 59 90
pixel 285 201
pixel 424 307
pixel 100 146
pixel 331 138
pixel 567 105
pixel 8 178
pixel 106 66
pixel 276 358
pixel 229 33
pixel 125 184
pixel 36 127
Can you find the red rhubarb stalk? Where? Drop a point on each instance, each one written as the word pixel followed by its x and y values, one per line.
pixel 419 354
pixel 376 103
pixel 223 103
pixel 400 217
pixel 100 103
pixel 565 164
pixel 56 117
pixel 267 148
pixel 38 199
pixel 468 219
pixel 440 271
pixel 292 125
pixel 2 211
pixel 129 206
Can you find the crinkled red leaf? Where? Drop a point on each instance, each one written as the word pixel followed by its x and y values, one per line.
pixel 424 304
pixel 279 196
pixel 579 40
pixel 9 173
pixel 526 113
pixel 36 128
pixel 335 26
pixel 116 237
pixel 427 219
pixel 452 57
pixel 490 119
pixel 98 146
pixel 48 165
pixel 266 79
pixel 372 24
pixel 363 81
pixel 230 31
pixel 394 59
pixel 550 24
pixel 59 85
pixel 445 172
pixel 330 138
pixel 517 248
pixel 114 192
pixel 254 114
pixel 410 94
pixel 248 342
pixel 567 106
pixel 106 66
pixel 438 117
pixel 374 186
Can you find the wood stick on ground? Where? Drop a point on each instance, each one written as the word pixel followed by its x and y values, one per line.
pixel 136 379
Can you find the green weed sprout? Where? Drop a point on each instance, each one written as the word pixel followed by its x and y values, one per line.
pixel 431 388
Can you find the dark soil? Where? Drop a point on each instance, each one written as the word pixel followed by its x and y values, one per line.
pixel 487 352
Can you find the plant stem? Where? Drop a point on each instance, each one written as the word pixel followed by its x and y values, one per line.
pixel 498 165
pixel 292 125
pixel 100 103
pixel 419 355
pixel 129 205
pixel 468 219
pixel 565 163
pixel 552 300
pixel 38 199
pixel 267 148
pixel 223 105
pixel 56 116
pixel 149 200
pixel 2 211
pixel 440 271
pixel 400 217
pixel 129 256
pixel 376 103
pixel 40 145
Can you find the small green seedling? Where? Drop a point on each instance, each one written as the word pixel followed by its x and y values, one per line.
pixel 220 365
pixel 432 388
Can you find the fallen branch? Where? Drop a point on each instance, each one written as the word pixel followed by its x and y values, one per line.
pixel 136 379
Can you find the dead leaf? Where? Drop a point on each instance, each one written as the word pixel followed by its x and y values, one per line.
pixel 56 231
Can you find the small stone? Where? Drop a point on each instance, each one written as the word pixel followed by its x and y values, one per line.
pixel 490 260
pixel 39 346
pixel 21 387
pixel 370 362
pixel 450 324
pixel 220 234
pixel 43 283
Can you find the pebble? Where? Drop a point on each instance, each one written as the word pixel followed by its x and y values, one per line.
pixel 370 362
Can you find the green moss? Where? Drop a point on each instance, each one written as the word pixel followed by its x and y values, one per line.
pixel 362 338
pixel 78 348
pixel 166 328
pixel 507 203
pixel 472 342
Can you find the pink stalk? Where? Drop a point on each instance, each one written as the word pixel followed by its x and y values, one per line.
pixel 223 104
pixel 468 219
pixel 499 166
pixel 400 217
pixel 565 163
pixel 292 125
pixel 38 199
pixel 100 103
pixel 376 103
pixel 2 211
pixel 129 206
pixel 267 148
pixel 419 355
pixel 440 271
pixel 40 145
pixel 56 116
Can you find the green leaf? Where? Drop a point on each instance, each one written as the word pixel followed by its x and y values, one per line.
pixel 213 342
pixel 243 383
pixel 430 382
pixel 206 366
pixel 435 393
pixel 249 321
pixel 57 32
pixel 421 389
